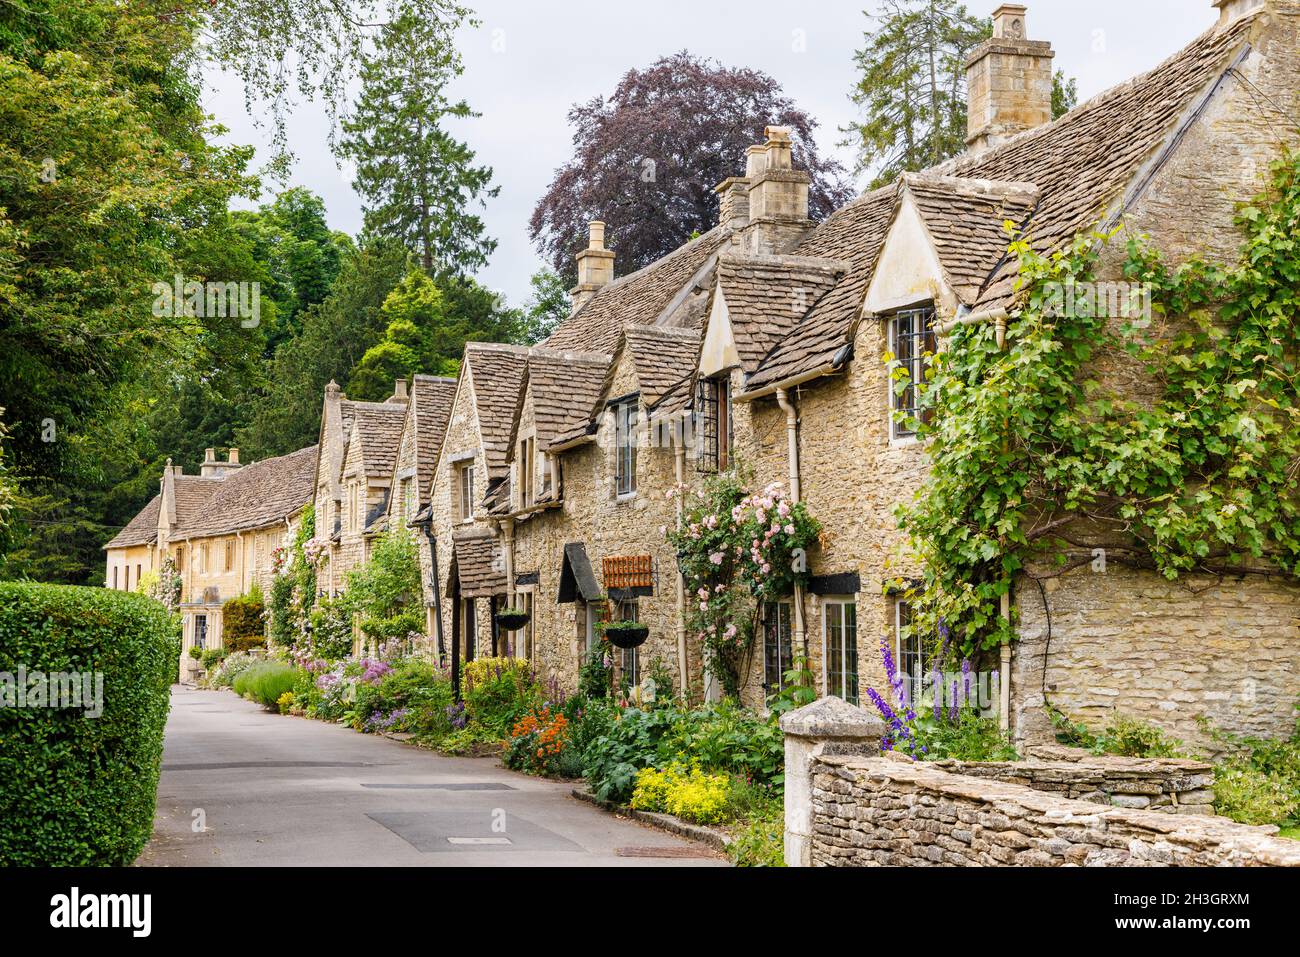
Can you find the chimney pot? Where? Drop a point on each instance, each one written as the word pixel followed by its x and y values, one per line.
pixel 233 457
pixel 209 455
pixel 595 234
pixel 778 147
pixel 595 265
pixel 755 161
pixel 399 389
pixel 1009 21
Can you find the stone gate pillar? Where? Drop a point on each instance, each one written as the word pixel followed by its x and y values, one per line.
pixel 827 726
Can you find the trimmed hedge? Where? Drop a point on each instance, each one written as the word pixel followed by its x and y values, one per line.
pixel 76 790
pixel 243 622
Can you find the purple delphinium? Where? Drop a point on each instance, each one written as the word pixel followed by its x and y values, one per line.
pixel 938 692
pixel 965 677
pixel 952 714
pixel 457 717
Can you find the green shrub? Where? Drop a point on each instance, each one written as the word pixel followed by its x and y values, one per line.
pixel 231 667
pixel 726 737
pixel 498 692
pixel 416 686
pixel 1124 736
pixel 265 682
pixel 76 790
pixel 972 738
pixel 331 629
pixel 760 840
pixel 243 621
pixel 612 760
pixel 212 657
pixel 1248 795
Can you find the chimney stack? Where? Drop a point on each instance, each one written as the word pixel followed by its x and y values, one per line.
pixel 778 194
pixel 595 266
pixel 212 468
pixel 1008 82
pixel 1231 10
pixel 399 392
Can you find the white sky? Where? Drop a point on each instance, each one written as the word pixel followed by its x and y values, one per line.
pixel 530 60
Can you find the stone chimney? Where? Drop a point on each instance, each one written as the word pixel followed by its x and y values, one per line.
pixel 213 468
pixel 778 194
pixel 1008 82
pixel 1231 10
pixel 595 266
pixel 399 396
pixel 167 511
pixel 733 202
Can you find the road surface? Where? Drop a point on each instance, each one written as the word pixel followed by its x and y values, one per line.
pixel 241 786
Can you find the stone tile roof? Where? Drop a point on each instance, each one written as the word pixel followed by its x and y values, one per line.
pixel 966 219
pixel 259 494
pixel 1081 164
pixel 496 371
pixel 767 296
pixel 564 387
pixel 662 357
pixel 141 530
pixel 479 568
pixel 380 427
pixel 639 298
pixel 853 233
pixel 428 413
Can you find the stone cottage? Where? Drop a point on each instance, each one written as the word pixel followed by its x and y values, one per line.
pixel 219 528
pixel 792 320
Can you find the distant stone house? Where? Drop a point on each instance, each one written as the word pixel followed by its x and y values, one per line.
pixel 354 474
pixel 792 320
pixel 220 528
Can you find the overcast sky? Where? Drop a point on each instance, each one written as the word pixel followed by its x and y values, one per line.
pixel 530 60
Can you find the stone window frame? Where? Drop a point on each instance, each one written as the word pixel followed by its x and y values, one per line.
pixel 928 335
pixel 526 469
pixel 842 602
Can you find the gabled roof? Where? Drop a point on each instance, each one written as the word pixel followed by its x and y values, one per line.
pixel 259 494
pixel 767 296
pixel 379 426
pixel 639 298
pixel 854 233
pixel 563 386
pixel 966 220
pixel 193 492
pixel 1088 165
pixel 663 358
pixel 428 413
pixel 496 372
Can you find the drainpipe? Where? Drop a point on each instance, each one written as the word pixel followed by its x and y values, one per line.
pixel 792 453
pixel 683 669
pixel 1004 705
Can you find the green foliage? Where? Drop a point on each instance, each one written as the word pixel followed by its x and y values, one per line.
pixel 212 657
pixel 798 686
pixel 265 681
pixel 1122 735
pixel 1023 440
pixel 243 621
pixel 386 590
pixel 498 692
pixel 972 738
pixel 232 666
pixel 727 575
pixel 1258 782
pixel 331 629
pixel 759 841
pixel 596 676
pixel 417 182
pixel 547 307
pixel 76 791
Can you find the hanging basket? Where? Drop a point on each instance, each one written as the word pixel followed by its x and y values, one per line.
pixel 627 635
pixel 512 620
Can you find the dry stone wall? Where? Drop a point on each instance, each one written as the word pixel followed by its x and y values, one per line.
pixel 888 812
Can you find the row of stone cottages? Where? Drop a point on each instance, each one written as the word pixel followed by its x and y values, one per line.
pixel 767 333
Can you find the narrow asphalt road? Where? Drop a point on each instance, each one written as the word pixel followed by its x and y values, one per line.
pixel 241 786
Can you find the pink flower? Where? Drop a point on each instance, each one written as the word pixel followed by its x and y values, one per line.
pixel 789 529
pixel 783 510
pixel 716 558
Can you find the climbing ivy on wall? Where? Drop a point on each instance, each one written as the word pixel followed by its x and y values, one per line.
pixel 1193 470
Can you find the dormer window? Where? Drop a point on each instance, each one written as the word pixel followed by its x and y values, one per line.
pixel 713 424
pixel 912 341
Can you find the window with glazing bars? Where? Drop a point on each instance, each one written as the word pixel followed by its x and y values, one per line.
pixel 912 340
pixel 713 424
pixel 625 419
pixel 841 624
pixel 777 649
